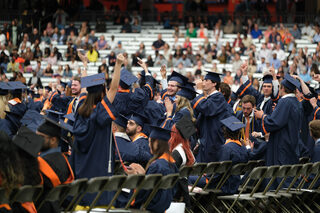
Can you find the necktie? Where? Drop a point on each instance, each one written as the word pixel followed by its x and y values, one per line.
pixel 74 105
pixel 247 131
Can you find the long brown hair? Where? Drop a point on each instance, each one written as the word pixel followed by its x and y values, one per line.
pixel 176 139
pixel 88 105
pixel 163 147
pixel 184 102
pixel 3 106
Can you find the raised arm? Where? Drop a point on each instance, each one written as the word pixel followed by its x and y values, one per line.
pixel 111 94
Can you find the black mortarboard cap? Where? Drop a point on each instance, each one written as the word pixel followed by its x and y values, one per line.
pixel 213 76
pixel 160 133
pixel 16 86
pixel 181 79
pixel 139 118
pixel 28 141
pixel 290 82
pixel 54 115
pixel 187 92
pixel 127 78
pixel 267 78
pixel 232 123
pixel 186 127
pixel 93 83
pixel 121 121
pixel 51 128
pixel 4 88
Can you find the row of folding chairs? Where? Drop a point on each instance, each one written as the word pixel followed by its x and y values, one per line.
pixel 292 188
pixel 76 190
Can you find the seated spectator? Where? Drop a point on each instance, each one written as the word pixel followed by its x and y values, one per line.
pixel 59 71
pixel 112 59
pixel 262 66
pixel 274 61
pixel 238 27
pixel 217 31
pixel 247 41
pixel 45 38
pixel 118 49
pixel 187 43
pixel 52 59
pixel 305 76
pixel 256 33
pixel 28 54
pixel 55 35
pixel 228 79
pixel 316 37
pixel 136 27
pixel 38 68
pixel 279 42
pixel 202 31
pixel 13 66
pixel 295 32
pixel 34 81
pixel 288 37
pixel 72 38
pixel 21 78
pixel 67 72
pixel 186 62
pixel 149 61
pixel 48 72
pixel 236 64
pixel 158 44
pixel 273 35
pixel 62 37
pixel 237 41
pixel 281 55
pixel 49 29
pixel 307 30
pixel 57 54
pixel 102 44
pixel 223 57
pixel 191 31
pixel 92 54
pixel 126 27
pixel 252 66
pixel 3 38
pixel 73 64
pixel 92 37
pixel 35 35
pixel 112 43
pixel 159 61
pixel 229 27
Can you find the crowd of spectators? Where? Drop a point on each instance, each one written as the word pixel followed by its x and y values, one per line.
pixel 278 48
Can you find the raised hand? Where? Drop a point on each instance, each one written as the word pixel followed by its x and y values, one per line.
pixel 120 59
pixel 163 71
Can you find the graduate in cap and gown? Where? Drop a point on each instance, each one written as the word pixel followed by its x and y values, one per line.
pixel 161 163
pixel 284 126
pixel 137 123
pixel 93 149
pixel 128 151
pixel 127 99
pixel 210 108
pixel 174 80
pixel 182 108
pixel 29 145
pixel 54 165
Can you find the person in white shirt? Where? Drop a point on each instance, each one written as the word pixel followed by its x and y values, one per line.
pixel 307 30
pixel 281 55
pixel 264 52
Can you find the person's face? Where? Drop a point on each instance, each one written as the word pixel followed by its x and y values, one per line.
pixel 247 109
pixel 177 99
pixel 47 141
pixel 208 85
pixel 75 87
pixel 267 89
pixel 172 88
pixel 131 128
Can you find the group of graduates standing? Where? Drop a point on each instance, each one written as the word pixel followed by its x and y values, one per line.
pixel 54 139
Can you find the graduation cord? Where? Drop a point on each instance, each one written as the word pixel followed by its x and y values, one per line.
pixel 118 152
pixel 242 130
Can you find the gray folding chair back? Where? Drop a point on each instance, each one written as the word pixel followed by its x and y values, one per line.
pixel 185 171
pixel 55 194
pixel 316 172
pixel 198 169
pixel 26 194
pixel 94 185
pixel 305 172
pixel 270 173
pixel 237 169
pixel 151 181
pixel 251 164
pixel 77 187
pixel 221 168
pixel 167 182
pixel 4 197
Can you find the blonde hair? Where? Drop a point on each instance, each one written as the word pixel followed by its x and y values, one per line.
pixel 184 102
pixel 3 106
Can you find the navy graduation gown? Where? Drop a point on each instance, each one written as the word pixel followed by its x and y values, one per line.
pixel 131 152
pixel 170 121
pixel 255 124
pixel 237 154
pixel 142 142
pixel 284 126
pixel 210 111
pixel 154 112
pixel 93 150
pixel 162 200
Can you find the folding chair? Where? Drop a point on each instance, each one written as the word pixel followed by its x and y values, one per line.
pixel 167 182
pixel 94 185
pixel 185 171
pixel 198 169
pixel 55 194
pixel 129 182
pixel 4 197
pixel 26 194
pixel 256 174
pixel 304 160
pixel 76 188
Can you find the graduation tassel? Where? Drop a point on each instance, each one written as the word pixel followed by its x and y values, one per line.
pixel 110 152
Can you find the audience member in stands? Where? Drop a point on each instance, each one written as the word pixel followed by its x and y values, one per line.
pixel 191 31
pixel 238 27
pixel 296 32
pixel 119 49
pixel 202 31
pixel 92 54
pixel 102 44
pixel 136 27
pixel 229 27
pixel 158 44
pixel 256 32
pixel 48 72
pixel 316 37
pixel 126 27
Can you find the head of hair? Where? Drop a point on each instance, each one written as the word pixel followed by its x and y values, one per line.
pixel 228 134
pixel 92 99
pixel 225 90
pixel 3 106
pixel 287 90
pixel 119 128
pixel 77 78
pixel 184 102
pixel 176 139
pixel 315 69
pixel 314 127
pixel 10 164
pixel 217 84
pixel 163 147
pixel 249 99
